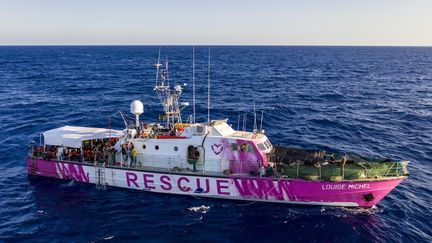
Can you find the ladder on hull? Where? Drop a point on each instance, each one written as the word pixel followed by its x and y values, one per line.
pixel 100 176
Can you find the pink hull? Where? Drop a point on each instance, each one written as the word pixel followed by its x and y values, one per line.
pixel 344 193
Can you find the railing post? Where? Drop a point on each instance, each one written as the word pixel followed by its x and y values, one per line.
pixel 343 172
pixel 297 169
pixel 397 169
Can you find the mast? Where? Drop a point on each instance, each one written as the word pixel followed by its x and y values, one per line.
pixel 262 118
pixel 254 113
pixel 193 83
pixel 244 121
pixel 208 85
pixel 158 66
pixel 168 97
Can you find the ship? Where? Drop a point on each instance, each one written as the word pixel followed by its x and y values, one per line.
pixel 208 159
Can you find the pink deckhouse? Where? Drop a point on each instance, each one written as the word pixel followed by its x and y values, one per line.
pixel 209 159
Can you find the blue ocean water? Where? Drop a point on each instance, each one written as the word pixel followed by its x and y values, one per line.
pixel 375 101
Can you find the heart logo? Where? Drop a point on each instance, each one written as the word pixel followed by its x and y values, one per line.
pixel 217 148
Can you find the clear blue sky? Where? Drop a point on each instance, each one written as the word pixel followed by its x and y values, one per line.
pixel 284 22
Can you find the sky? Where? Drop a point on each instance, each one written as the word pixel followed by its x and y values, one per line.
pixel 217 22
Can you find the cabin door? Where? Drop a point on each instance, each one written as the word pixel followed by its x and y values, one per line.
pixel 195 157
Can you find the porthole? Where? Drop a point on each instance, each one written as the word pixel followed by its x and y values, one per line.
pixel 157 147
pixel 175 148
pixel 144 146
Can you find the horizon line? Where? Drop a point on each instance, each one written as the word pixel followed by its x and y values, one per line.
pixel 227 45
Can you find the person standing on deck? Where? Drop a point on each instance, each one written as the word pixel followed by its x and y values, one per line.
pixel 113 155
pixel 124 154
pixel 332 158
pixel 95 153
pixel 106 153
pixel 110 154
pixel 100 158
pixel 60 153
pixel 129 154
pixel 134 156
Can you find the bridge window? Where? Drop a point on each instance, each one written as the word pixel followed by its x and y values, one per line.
pixel 267 144
pixel 234 147
pixel 261 146
pixel 246 148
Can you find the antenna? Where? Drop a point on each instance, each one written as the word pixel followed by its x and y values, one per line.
pixel 254 122
pixel 167 73
pixel 158 66
pixel 238 122
pixel 262 118
pixel 193 82
pixel 208 85
pixel 244 121
pixel 112 115
pixel 109 126
pixel 124 120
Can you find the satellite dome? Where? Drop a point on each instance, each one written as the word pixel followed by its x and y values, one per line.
pixel 137 107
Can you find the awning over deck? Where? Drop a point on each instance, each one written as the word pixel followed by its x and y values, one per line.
pixel 71 136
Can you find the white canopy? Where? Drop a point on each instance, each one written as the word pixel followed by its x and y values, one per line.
pixel 71 136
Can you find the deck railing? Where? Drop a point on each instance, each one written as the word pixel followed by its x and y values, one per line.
pixel 336 172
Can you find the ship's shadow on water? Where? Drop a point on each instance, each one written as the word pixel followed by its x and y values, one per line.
pixel 374 101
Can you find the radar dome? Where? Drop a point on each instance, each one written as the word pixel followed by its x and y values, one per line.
pixel 137 107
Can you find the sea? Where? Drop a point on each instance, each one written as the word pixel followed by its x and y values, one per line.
pixel 372 101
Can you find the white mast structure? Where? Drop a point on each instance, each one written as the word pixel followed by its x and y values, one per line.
pixel 193 83
pixel 208 85
pixel 168 97
pixel 254 113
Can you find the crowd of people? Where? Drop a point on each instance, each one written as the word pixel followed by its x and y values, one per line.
pixel 129 155
pixel 93 151
pixel 321 158
pixel 99 151
pixel 57 152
